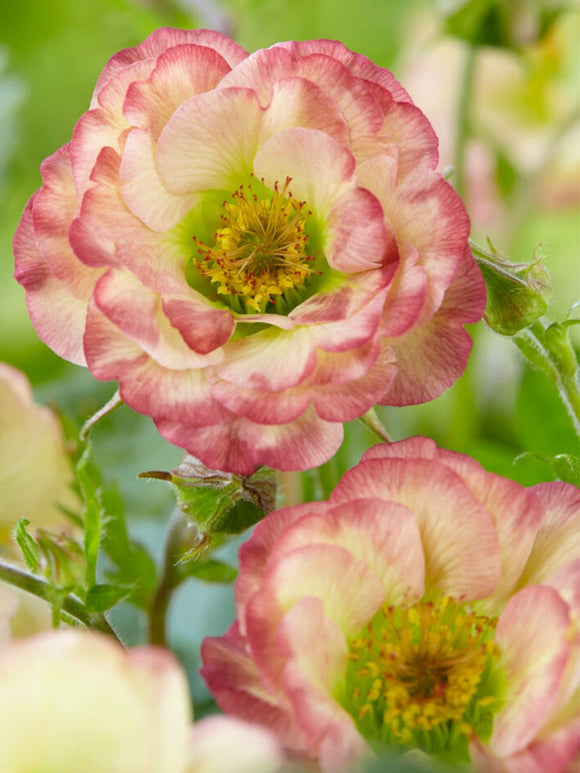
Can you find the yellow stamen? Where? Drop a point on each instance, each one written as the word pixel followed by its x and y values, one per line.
pixel 260 250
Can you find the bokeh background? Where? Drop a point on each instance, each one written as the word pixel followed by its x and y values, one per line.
pixel 499 79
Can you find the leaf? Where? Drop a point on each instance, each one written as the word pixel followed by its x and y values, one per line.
pixel 28 546
pixel 208 571
pixel 89 481
pixel 134 566
pixel 104 596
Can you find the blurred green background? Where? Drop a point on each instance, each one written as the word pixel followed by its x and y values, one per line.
pixel 521 159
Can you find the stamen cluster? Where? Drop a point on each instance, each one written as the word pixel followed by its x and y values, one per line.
pixel 260 251
pixel 417 673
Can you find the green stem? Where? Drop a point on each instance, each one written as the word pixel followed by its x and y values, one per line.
pixel 108 408
pixel 327 477
pixel 566 379
pixel 170 579
pixel 462 123
pixel 72 607
pixel 372 421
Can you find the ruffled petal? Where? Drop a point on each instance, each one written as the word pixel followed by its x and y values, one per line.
pixel 142 189
pixel 384 535
pixel 459 539
pixel 57 315
pixel 162 39
pixel 432 357
pixel 350 594
pixel 234 680
pixel 516 512
pixel 558 539
pixel 180 72
pixel 239 445
pixel 532 636
pixel 210 141
pixel 162 393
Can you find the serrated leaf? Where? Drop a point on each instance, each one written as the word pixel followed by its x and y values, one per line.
pixel 134 566
pixel 104 596
pixel 28 546
pixel 208 571
pixel 89 483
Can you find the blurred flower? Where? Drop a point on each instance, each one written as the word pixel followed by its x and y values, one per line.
pixel 73 701
pixel 35 481
pixel 524 114
pixel 221 744
pixel 35 469
pixel 427 605
pixel 256 247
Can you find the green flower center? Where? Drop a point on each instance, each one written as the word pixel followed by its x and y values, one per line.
pixel 425 676
pixel 260 250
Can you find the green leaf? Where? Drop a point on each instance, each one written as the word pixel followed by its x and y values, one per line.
pixel 134 566
pixel 104 596
pixel 28 546
pixel 208 571
pixel 63 559
pixel 89 481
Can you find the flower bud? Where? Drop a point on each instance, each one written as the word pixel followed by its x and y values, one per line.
pixel 219 504
pixel 517 293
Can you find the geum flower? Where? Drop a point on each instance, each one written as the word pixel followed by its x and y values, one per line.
pixel 35 469
pixel 75 701
pixel 258 248
pixel 427 605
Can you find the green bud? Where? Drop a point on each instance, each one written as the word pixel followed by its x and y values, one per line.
pixel 218 505
pixel 517 293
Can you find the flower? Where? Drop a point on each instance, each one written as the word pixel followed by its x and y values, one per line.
pixel 257 248
pixel 75 700
pixel 35 483
pixel 35 470
pixel 71 700
pixel 427 605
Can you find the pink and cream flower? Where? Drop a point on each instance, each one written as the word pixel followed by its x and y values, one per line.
pixel 76 701
pixel 257 247
pixel 427 605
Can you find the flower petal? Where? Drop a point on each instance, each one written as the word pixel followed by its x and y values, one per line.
pixel 210 141
pixel 430 358
pixel 180 72
pixel 532 637
pixel 459 539
pixel 57 315
pixel 240 445
pixel 558 538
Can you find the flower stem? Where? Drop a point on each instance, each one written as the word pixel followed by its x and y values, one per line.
pixel 554 364
pixel 73 610
pixel 462 123
pixel 170 579
pixel 372 421
pixel 108 408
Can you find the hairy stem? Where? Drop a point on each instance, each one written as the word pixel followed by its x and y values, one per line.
pixel 108 408
pixel 372 421
pixel 170 579
pixel 72 608
pixel 566 380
